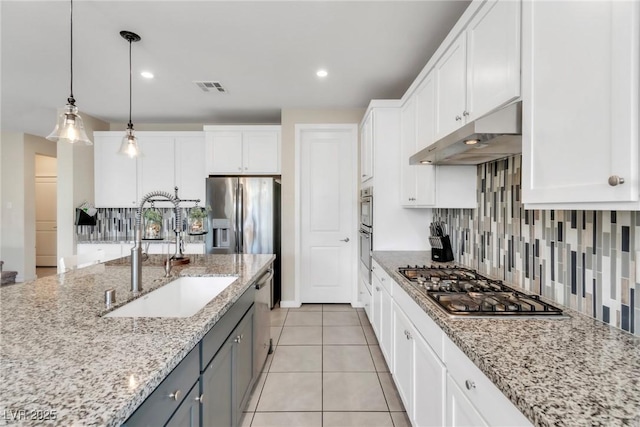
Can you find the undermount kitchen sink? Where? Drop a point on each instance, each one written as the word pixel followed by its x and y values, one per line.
pixel 182 297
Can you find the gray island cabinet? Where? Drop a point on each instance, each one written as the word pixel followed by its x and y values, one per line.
pixel 213 382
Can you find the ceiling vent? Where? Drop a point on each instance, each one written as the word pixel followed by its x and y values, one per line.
pixel 211 87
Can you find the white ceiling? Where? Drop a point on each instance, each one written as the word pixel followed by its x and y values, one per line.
pixel 265 53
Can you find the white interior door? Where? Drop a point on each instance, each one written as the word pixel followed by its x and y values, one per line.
pixel 46 211
pixel 327 214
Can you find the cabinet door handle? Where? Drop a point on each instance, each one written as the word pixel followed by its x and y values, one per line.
pixel 382 279
pixel 469 384
pixel 465 113
pixel 238 339
pixel 615 180
pixel 458 118
pixel 175 395
pixel 363 175
pixel 378 288
pixel 345 240
pixel 199 398
pixel 240 168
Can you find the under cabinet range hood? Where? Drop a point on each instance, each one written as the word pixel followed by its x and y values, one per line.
pixel 491 137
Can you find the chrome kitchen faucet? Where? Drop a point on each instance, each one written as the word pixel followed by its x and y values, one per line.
pixel 136 251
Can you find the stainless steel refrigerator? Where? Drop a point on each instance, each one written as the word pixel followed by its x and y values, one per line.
pixel 245 219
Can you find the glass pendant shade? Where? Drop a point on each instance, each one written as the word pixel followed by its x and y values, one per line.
pixel 70 127
pixel 129 144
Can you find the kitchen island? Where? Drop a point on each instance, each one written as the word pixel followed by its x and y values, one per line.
pixel 62 362
pixel 570 371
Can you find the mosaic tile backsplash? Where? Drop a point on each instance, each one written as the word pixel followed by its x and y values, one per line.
pixel 118 224
pixel 584 260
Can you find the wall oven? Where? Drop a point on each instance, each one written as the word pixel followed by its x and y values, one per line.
pixel 366 231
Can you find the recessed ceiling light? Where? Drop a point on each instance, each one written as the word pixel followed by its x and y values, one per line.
pixel 147 74
pixel 322 73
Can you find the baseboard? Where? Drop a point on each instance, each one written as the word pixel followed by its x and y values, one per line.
pixel 290 304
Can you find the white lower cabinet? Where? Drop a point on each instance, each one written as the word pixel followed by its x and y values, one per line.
pixel 483 395
pixel 382 315
pixel 418 372
pixel 460 412
pixel 109 251
pixel 438 384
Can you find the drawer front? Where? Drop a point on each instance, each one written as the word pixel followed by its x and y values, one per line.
pixel 494 406
pixel 382 275
pixel 166 398
pixel 429 330
pixel 215 338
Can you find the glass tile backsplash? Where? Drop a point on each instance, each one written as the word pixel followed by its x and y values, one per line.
pixel 117 224
pixel 581 259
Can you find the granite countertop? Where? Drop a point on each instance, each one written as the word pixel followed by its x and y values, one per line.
pixel 58 353
pixel 573 371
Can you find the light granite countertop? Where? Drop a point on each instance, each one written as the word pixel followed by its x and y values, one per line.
pixel 57 352
pixel 576 371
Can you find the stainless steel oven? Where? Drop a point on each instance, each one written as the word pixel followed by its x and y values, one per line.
pixel 366 208
pixel 366 230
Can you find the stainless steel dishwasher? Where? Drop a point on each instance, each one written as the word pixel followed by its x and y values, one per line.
pixel 262 320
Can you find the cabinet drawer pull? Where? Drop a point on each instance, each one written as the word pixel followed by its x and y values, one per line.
pixel 199 398
pixel 175 395
pixel 615 180
pixel 470 384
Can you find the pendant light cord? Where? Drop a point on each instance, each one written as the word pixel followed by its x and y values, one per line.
pixel 130 125
pixel 71 100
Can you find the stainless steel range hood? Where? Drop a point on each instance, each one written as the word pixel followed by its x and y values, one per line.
pixel 491 137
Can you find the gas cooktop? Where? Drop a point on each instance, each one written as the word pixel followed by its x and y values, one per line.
pixel 463 292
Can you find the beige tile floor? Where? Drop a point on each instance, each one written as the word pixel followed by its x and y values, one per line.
pixel 326 370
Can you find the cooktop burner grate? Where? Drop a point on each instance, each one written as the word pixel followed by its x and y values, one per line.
pixel 463 292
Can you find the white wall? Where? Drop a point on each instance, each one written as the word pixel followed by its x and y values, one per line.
pixel 18 239
pixel 75 184
pixel 291 117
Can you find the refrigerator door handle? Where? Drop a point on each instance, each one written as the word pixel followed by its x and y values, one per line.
pixel 236 227
pixel 241 218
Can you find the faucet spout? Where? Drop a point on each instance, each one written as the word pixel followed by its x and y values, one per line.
pixel 136 250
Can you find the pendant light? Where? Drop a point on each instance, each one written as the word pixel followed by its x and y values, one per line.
pixel 69 127
pixel 129 144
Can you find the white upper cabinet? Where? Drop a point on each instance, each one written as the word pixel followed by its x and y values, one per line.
pixel 417 182
pixel 580 105
pixel 451 80
pixel 115 175
pixel 493 57
pixel 224 152
pixel 190 166
pixel 366 148
pixel 423 186
pixel 480 70
pixel 168 159
pixel 156 165
pixel 240 150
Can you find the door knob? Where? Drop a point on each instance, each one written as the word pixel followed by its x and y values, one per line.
pixel 344 240
pixel 615 180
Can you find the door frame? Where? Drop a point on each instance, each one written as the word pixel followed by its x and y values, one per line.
pixel 352 128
